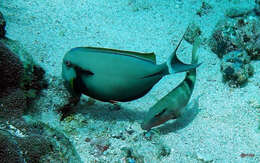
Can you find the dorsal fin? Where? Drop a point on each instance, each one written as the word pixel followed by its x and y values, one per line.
pixel 146 56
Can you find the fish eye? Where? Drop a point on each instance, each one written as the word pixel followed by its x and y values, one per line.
pixel 68 63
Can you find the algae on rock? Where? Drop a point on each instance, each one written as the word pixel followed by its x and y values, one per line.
pixel 36 142
pixel 236 39
pixel 236 68
pixel 21 81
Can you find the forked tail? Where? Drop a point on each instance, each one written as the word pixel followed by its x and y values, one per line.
pixel 176 65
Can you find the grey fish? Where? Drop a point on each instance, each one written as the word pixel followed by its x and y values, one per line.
pixel 172 104
pixel 111 75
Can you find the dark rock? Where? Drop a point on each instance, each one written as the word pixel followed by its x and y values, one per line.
pixel 204 9
pixel 193 31
pixel 164 151
pixel 30 141
pixel 34 79
pixel 236 68
pixel 220 41
pixel 238 12
pixel 2 25
pixel 9 150
pixel 235 34
pixel 256 48
pixel 34 147
pixel 87 140
pixel 132 156
pixel 257 7
pixel 129 130
pixel 23 148
pixel 33 76
pixel 11 70
pixel 13 105
pixel 21 80
pixel 62 150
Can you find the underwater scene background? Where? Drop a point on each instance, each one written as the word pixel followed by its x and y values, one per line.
pixel 40 122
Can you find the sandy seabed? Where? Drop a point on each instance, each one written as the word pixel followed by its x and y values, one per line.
pixel 224 121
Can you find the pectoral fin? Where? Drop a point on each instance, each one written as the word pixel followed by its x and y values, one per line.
pixel 155 74
pixel 71 83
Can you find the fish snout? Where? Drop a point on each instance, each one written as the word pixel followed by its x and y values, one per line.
pixel 156 121
pixel 145 126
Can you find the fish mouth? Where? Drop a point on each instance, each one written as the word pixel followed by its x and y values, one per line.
pixel 69 85
pixel 146 126
pixel 149 124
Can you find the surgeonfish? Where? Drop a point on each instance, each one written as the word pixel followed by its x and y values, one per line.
pixel 111 75
pixel 172 105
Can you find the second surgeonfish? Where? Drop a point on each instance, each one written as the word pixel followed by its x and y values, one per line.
pixel 171 105
pixel 111 75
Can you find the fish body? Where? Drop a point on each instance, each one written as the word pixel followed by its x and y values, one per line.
pixel 172 105
pixel 114 75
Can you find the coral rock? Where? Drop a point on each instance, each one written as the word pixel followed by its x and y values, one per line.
pixel 34 147
pixel 193 31
pixel 13 105
pixel 9 151
pixel 11 70
pixel 238 12
pixel 257 7
pixel 204 9
pixel 235 34
pixel 235 68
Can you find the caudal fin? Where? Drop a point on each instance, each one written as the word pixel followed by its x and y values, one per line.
pixel 176 65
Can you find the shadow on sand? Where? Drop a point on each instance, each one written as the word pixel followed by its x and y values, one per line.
pixel 109 112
